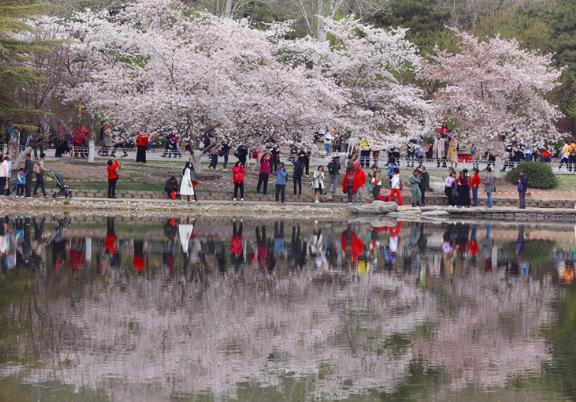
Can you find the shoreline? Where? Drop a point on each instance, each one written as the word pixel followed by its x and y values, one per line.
pixel 160 208
pixel 142 208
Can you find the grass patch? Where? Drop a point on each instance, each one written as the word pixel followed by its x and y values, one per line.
pixel 566 182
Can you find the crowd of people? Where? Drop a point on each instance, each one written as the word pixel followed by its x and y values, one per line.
pixel 462 189
pixel 358 176
pixel 28 180
pixel 443 147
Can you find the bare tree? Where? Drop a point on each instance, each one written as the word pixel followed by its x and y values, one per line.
pixel 310 10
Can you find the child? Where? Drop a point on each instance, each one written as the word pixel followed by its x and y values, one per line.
pixel 171 188
pixel 370 184
pixel 20 182
pixel 395 187
pixel 376 184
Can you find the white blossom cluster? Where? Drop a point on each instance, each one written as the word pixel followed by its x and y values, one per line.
pixel 495 93
pixel 156 65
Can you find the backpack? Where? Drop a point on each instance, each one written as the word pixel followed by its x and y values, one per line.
pixel 520 187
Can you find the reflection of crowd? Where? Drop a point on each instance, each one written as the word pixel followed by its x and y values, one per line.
pixel 23 242
pixel 565 264
pixel 275 248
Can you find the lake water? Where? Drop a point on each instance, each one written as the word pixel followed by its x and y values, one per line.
pixel 112 309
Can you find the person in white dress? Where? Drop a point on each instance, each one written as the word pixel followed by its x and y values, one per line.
pixel 185 231
pixel 318 183
pixel 186 185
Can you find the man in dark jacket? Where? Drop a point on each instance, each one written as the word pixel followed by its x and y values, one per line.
pixel 424 183
pixel 275 158
pixel 225 152
pixel 297 176
pixel 28 174
pixel 334 173
pixel 241 153
pixel 522 188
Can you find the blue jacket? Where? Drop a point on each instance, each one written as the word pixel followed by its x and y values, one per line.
pixel 279 246
pixel 390 169
pixel 281 177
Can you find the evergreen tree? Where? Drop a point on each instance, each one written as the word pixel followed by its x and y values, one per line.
pixel 561 17
pixel 15 53
pixel 424 19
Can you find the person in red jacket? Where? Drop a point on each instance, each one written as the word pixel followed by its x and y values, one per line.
pixel 238 179
pixel 236 247
pixel 79 141
pixel 351 244
pixel 475 183
pixel 348 184
pixel 141 146
pixel 110 236
pixel 354 182
pixel 77 254
pixel 112 169
pixel 359 181
pixel 262 247
pixel 265 170
pixel 139 259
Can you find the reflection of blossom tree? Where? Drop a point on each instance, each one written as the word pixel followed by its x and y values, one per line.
pixel 156 338
pixel 187 337
pixel 494 333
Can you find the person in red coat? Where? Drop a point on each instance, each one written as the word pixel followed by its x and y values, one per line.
pixel 238 179
pixel 262 246
pixel 111 238
pixel 112 170
pixel 79 141
pixel 354 182
pixel 139 259
pixel 348 184
pixel 475 184
pixel 142 140
pixel 236 247
pixel 351 245
pixel 359 181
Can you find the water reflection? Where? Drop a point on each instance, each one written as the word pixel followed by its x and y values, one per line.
pixel 173 308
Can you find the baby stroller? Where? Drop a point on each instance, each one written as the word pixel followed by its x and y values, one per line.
pixel 63 189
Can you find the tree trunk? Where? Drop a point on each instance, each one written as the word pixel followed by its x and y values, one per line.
pixel 88 250
pixel 228 9
pixel 91 121
pixel 20 158
pixel 91 151
pixel 320 29
pixel 196 160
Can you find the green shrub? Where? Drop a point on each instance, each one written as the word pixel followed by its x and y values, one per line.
pixel 536 252
pixel 540 175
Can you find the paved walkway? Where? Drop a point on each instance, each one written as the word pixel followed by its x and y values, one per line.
pixel 259 203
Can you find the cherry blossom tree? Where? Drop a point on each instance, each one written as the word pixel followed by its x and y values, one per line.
pixel 156 65
pixel 374 67
pixel 496 93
